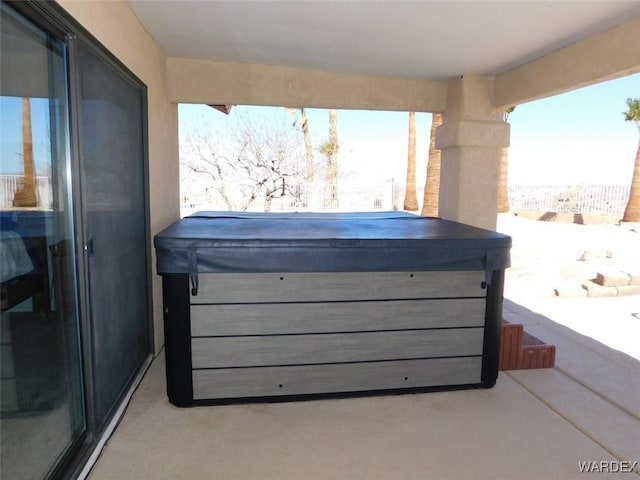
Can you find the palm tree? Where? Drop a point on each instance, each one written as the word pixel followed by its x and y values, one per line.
pixel 310 165
pixel 330 149
pixel 503 188
pixel 308 146
pixel 26 196
pixel 432 184
pixel 410 198
pixel 632 212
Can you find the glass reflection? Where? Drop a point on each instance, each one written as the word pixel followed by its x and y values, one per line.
pixel 41 402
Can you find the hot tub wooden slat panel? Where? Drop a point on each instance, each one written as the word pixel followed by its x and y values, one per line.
pixel 262 319
pixel 222 352
pixel 308 379
pixel 324 287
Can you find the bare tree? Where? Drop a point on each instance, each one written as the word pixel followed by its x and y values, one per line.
pixel 250 160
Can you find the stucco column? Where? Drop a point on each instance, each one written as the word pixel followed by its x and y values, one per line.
pixel 470 139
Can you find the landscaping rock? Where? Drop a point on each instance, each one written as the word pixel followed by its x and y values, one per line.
pixel 628 290
pixel 570 290
pixel 590 254
pixel 613 278
pixel 634 277
pixel 595 290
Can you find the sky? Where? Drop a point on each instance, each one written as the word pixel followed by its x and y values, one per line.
pixel 579 137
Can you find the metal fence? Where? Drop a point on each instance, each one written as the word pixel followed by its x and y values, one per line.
pixel 343 197
pixel 599 199
pixel 10 184
pixel 387 195
pixel 595 199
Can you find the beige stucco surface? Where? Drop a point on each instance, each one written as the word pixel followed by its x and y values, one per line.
pixel 117 28
pixel 199 81
pixel 470 140
pixel 611 54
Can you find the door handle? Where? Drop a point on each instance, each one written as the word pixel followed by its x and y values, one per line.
pixel 88 248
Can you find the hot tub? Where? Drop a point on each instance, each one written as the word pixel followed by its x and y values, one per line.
pixel 270 307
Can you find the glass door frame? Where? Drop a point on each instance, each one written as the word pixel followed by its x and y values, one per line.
pixel 65 167
pixel 54 20
pixel 79 199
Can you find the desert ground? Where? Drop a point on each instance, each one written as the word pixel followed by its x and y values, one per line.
pixel 552 257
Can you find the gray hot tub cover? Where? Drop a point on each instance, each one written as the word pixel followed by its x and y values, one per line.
pixel 238 242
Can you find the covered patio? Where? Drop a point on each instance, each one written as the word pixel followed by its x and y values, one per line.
pixel 397 56
pixel 469 60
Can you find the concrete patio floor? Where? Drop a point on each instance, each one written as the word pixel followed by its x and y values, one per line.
pixel 535 424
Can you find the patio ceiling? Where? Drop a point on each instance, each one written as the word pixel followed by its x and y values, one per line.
pixel 434 40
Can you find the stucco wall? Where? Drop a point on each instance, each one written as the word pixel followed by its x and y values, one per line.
pixel 117 28
pixel 470 139
pixel 199 81
pixel 611 54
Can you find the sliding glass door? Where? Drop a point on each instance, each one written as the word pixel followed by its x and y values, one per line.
pixel 111 138
pixel 41 391
pixel 74 241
